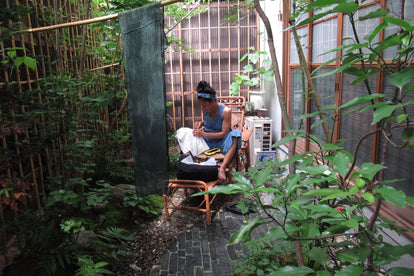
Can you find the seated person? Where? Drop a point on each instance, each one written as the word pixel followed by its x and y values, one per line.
pixel 215 130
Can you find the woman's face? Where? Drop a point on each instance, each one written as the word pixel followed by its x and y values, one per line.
pixel 205 105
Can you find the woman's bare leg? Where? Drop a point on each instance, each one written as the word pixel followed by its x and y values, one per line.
pixel 227 158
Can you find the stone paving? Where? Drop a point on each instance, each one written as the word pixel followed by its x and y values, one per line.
pixel 204 249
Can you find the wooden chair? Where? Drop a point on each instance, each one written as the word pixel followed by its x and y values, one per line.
pixel 239 162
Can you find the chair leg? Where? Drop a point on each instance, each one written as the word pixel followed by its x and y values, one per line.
pixel 167 213
pixel 208 215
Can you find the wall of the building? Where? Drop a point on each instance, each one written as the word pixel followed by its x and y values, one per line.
pixel 271 101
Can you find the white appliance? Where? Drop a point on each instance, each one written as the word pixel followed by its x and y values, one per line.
pixel 261 138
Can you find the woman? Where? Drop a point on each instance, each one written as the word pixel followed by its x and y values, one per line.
pixel 216 127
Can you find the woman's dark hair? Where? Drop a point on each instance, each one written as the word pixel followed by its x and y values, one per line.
pixel 204 87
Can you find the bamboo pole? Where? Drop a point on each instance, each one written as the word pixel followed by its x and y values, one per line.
pixel 172 89
pixel 86 21
pixel 209 43
pixel 190 39
pixel 218 46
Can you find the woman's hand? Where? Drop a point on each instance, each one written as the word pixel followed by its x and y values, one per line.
pixel 198 124
pixel 198 132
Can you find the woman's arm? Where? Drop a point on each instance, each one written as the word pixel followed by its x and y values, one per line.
pixel 225 127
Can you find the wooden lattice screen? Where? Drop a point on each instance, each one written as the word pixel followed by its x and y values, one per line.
pixel 217 46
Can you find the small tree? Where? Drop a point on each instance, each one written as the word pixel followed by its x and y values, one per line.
pixel 320 205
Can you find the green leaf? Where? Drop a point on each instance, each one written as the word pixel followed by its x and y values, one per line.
pixel 290 228
pixel 351 223
pixel 401 271
pixel 323 3
pixel 341 163
pixel 287 139
pixel 374 14
pixel 365 75
pixel 318 170
pixel 243 234
pixel 363 253
pixel 408 133
pixel 369 197
pixel 392 195
pixel 18 61
pixel 319 255
pixel 310 230
pixel 30 62
pixel 361 100
pixel 350 270
pixel 338 195
pixel 292 270
pixel 261 177
pixel 402 117
pixel 401 78
pixel 369 170
pixel 292 183
pixel 292 159
pixel 330 147
pixel 275 233
pixel 344 67
pixel 347 7
pixel 384 112
pixel 322 192
pixel 228 189
pixel 399 22
pixel 410 200
pixel 320 208
pixel 376 31
pixel 323 273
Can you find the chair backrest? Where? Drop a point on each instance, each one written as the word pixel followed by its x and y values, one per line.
pixel 238 106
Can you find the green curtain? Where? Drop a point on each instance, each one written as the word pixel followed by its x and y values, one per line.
pixel 143 46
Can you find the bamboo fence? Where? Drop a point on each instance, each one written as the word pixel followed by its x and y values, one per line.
pixel 62 37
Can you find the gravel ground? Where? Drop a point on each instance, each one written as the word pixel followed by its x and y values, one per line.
pixel 157 235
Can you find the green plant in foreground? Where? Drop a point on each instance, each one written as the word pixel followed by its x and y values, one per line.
pixel 87 267
pixel 150 204
pixel 321 205
pixel 265 257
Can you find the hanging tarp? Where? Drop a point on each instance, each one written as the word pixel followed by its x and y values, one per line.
pixel 142 37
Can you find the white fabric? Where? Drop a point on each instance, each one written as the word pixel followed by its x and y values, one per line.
pixel 209 162
pixel 188 142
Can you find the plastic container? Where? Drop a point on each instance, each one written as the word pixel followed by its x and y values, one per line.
pixel 266 155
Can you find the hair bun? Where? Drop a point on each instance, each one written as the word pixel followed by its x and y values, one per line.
pixel 203 86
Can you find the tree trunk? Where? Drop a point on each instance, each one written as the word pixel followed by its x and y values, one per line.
pixel 283 106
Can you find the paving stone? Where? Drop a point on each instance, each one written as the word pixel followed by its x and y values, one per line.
pixel 181 263
pixel 199 271
pixel 181 241
pixel 216 267
pixel 188 246
pixel 225 267
pixel 213 251
pixel 196 233
pixel 181 253
pixel 204 246
pixel 189 264
pixel 188 236
pixel 203 250
pixel 206 262
pixel 172 268
pixel 165 261
pixel 197 256
pixel 232 252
